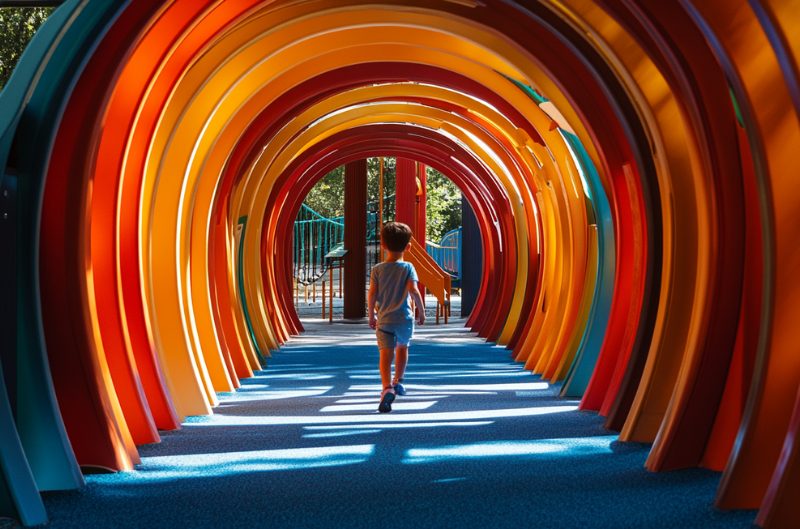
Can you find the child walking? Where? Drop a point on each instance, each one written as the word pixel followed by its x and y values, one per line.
pixel 391 284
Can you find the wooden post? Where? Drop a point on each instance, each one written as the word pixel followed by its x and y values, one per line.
pixel 405 205
pixel 421 206
pixel 330 305
pixel 323 298
pixel 340 279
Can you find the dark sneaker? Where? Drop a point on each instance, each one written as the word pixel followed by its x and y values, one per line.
pixel 387 397
pixel 399 389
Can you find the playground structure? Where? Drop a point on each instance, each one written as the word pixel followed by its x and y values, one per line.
pixel 318 251
pixel 631 165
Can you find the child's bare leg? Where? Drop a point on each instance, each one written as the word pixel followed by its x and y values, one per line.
pixel 400 363
pixel 385 366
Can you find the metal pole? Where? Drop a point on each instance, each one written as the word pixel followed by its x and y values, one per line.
pixel 379 224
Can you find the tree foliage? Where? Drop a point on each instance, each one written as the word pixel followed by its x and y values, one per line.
pixel 17 26
pixel 373 180
pixel 327 195
pixel 444 198
pixel 444 205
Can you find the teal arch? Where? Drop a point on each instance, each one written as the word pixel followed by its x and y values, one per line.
pixel 19 497
pixel 45 73
pixel 582 367
pixel 242 294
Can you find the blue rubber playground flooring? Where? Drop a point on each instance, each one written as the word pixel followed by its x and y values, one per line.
pixel 477 442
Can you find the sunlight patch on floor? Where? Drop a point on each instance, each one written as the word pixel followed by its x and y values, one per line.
pixel 237 420
pixel 430 394
pixel 522 386
pixel 511 449
pixel 340 433
pixel 175 467
pixel 276 394
pixel 376 398
pixel 382 426
pixel 397 406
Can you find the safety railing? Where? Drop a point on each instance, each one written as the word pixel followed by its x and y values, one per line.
pixel 314 237
pixel 447 253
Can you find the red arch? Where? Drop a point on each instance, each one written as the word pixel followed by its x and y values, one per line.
pixel 389 139
pixel 305 94
pixel 533 36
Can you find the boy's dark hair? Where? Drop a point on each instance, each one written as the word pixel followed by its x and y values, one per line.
pixel 395 236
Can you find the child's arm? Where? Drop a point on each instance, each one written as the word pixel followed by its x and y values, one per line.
pixel 371 296
pixel 417 297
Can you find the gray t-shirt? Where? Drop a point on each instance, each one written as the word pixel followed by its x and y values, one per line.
pixel 392 299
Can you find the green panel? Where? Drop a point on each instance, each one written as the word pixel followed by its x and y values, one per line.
pixel 533 94
pixel 736 108
pixel 243 295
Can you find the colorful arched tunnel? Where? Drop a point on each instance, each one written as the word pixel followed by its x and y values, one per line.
pixel 632 165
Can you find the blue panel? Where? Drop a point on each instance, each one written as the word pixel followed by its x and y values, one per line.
pixel 471 259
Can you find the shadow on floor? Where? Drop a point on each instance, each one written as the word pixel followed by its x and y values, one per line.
pixel 477 442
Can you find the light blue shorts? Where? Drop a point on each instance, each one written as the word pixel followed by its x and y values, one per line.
pixel 390 335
